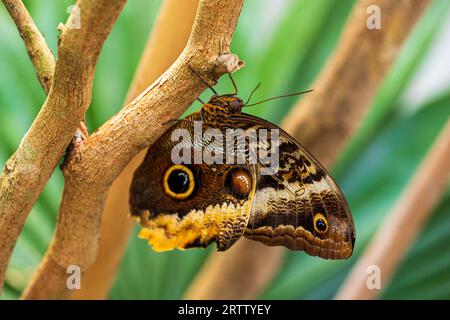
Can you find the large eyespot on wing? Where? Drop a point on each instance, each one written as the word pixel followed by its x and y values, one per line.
pixel 178 182
pixel 300 206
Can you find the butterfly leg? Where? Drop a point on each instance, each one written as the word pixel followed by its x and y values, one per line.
pixel 203 80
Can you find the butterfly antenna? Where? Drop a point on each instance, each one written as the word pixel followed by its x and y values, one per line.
pixel 203 80
pixel 277 97
pixel 251 94
pixel 201 101
pixel 234 84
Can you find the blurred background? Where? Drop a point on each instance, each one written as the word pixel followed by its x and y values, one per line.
pixel 285 44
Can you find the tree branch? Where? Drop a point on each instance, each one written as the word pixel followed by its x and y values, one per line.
pixel 27 171
pixel 325 119
pixel 167 40
pixel 388 247
pixel 97 162
pixel 38 51
pixel 322 121
pixel 37 48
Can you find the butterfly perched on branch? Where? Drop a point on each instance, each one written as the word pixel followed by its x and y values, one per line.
pixel 220 174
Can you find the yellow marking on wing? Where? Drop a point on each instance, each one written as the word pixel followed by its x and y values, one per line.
pixel 202 227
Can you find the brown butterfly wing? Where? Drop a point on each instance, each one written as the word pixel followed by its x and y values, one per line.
pixel 288 204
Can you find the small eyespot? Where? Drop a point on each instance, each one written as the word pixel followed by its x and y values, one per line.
pixel 239 183
pixel 320 223
pixel 178 182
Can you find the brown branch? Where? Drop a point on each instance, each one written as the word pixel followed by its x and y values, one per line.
pixel 220 277
pixel 323 121
pixel 167 40
pixel 37 48
pixel 38 51
pixel 410 213
pixel 27 171
pixel 98 161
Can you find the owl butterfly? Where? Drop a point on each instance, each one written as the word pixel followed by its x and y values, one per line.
pixel 186 204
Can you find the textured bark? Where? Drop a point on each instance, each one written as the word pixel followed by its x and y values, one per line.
pixel 38 50
pixel 322 121
pixel 27 171
pixel 389 246
pixel 167 40
pixel 96 163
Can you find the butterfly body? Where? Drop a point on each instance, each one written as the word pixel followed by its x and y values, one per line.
pixel 187 204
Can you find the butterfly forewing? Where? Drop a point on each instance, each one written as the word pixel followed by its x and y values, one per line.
pixel 299 206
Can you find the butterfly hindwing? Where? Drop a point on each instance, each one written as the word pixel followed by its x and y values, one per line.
pixel 209 212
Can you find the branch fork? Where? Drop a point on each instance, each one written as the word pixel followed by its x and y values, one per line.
pixel 97 162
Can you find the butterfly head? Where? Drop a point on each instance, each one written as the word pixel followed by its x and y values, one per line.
pixel 227 102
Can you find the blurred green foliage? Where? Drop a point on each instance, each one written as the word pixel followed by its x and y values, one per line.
pixel 285 44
